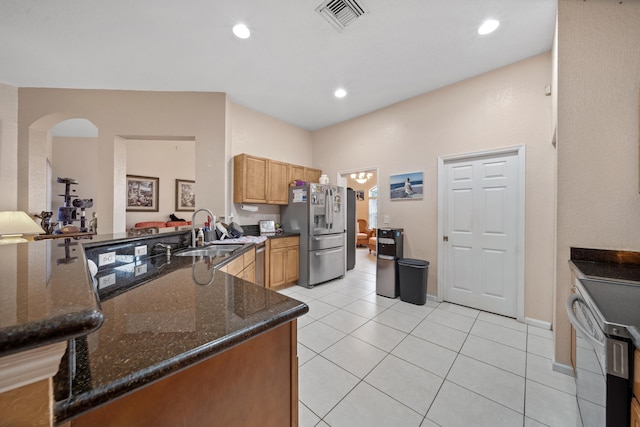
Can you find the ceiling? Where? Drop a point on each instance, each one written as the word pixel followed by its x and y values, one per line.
pixel 289 67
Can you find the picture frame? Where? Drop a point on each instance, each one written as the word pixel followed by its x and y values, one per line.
pixel 185 195
pixel 142 193
pixel 360 195
pixel 406 186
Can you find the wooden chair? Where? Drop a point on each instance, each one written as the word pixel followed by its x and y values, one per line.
pixel 373 242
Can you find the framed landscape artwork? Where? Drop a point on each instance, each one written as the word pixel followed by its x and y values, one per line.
pixel 185 195
pixel 406 186
pixel 142 193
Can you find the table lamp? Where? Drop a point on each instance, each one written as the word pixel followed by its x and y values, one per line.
pixel 13 224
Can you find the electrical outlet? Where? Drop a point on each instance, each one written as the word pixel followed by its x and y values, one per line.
pixel 108 280
pixel 386 219
pixel 140 269
pixel 140 250
pixel 106 258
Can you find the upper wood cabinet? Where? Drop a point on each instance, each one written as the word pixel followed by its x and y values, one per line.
pixel 304 173
pixel 260 180
pixel 249 179
pixel 277 182
pixel 312 175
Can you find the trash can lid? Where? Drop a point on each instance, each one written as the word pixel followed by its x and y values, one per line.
pixel 409 262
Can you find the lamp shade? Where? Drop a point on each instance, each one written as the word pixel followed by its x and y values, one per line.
pixel 13 224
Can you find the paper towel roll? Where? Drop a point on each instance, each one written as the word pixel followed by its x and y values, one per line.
pixel 249 208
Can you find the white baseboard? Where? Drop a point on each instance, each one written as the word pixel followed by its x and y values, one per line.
pixel 562 368
pixel 433 298
pixel 538 323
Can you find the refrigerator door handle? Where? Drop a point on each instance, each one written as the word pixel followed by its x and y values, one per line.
pixel 323 253
pixel 316 239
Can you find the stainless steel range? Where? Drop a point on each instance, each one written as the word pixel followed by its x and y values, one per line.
pixel 601 311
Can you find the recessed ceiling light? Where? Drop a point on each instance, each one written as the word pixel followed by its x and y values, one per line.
pixel 488 26
pixel 241 31
pixel 340 93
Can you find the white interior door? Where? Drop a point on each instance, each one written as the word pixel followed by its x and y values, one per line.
pixel 480 233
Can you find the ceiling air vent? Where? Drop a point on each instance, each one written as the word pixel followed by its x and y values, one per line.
pixel 340 13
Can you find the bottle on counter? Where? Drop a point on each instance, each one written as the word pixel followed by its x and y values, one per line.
pixel 200 238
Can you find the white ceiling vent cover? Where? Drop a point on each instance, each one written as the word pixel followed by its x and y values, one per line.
pixel 340 13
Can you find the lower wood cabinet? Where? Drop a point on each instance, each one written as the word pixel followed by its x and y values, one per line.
pixel 283 263
pixel 243 267
pixel 635 413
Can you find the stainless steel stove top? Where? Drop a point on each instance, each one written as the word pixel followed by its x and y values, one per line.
pixel 616 305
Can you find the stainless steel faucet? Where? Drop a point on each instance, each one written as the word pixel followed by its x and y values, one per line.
pixel 193 225
pixel 165 246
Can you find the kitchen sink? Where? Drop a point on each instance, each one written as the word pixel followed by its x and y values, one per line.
pixel 210 251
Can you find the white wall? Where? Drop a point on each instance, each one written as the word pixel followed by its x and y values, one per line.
pixel 598 88
pixel 502 108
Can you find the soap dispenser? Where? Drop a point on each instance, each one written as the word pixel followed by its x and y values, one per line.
pixel 200 238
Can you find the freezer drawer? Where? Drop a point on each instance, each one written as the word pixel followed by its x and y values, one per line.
pixel 326 264
pixel 326 241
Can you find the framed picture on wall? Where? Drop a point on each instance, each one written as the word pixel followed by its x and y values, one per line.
pixel 360 195
pixel 185 195
pixel 142 193
pixel 406 186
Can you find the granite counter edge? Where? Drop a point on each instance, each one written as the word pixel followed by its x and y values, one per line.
pixel 66 410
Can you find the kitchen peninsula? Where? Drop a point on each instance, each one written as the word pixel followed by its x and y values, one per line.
pixel 178 341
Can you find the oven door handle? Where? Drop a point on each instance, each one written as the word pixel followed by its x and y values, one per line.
pixel 588 335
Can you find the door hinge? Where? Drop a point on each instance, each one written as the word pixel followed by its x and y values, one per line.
pixel 445 238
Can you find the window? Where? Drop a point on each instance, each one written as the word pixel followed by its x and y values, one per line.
pixel 373 207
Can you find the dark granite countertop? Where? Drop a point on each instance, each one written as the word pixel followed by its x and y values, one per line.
pixel 173 315
pixel 45 295
pixel 607 264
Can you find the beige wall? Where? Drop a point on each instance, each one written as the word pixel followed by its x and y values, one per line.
pixel 503 108
pixel 598 86
pixel 121 115
pixel 167 160
pixel 8 147
pixel 264 136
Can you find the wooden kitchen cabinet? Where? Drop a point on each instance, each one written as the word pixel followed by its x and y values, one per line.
pixel 635 413
pixel 277 183
pixel 249 179
pixel 243 267
pixel 312 175
pixel 266 181
pixel 283 261
pixel 304 173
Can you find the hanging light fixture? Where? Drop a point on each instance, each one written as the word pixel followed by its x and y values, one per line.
pixel 361 177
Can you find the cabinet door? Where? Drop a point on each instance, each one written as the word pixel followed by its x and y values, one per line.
pixel 296 172
pixel 278 183
pixel 292 272
pixel 312 175
pixel 635 413
pixel 277 267
pixel 249 273
pixel 249 179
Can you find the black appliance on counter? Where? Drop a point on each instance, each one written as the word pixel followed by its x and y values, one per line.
pixel 601 311
pixel 390 244
pixel 351 228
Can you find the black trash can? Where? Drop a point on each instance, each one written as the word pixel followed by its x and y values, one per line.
pixel 413 280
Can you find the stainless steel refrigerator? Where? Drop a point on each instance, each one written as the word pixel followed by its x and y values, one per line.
pixel 318 213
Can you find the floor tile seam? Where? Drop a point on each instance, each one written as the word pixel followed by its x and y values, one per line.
pixel 310 410
pixel 494 366
pixel 447 326
pixel 497 342
pixel 505 326
pixel 492 400
pixel 389 326
pixel 460 314
pixel 409 314
pixel 373 345
pixel 364 380
pixel 488 398
pixel 551 387
pixel 341 399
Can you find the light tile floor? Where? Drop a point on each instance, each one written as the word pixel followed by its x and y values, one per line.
pixel 367 360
